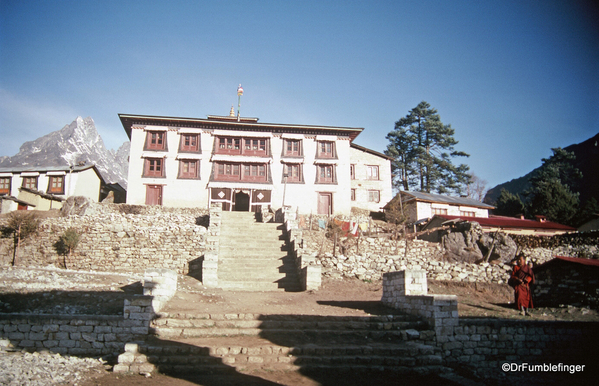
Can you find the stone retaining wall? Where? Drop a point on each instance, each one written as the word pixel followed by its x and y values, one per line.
pixel 79 334
pixel 485 345
pixel 114 241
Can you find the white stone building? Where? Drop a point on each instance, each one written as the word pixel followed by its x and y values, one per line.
pixel 44 188
pixel 419 206
pixel 244 164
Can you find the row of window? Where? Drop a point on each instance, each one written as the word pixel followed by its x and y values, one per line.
pixel 190 143
pixel 464 213
pixel 55 184
pixel 373 195
pixel 227 171
pixel 372 172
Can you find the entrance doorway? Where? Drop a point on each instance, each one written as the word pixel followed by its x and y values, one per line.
pixel 242 202
pixel 325 203
pixel 154 195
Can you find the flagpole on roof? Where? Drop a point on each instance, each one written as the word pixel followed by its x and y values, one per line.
pixel 239 94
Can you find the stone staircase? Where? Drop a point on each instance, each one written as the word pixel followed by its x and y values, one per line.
pixel 220 343
pixel 252 256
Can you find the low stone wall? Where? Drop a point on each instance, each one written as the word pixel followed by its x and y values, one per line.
pixel 310 273
pixel 407 291
pixel 92 335
pixel 486 345
pixel 114 241
pixel 210 260
pixel 492 348
pixel 79 334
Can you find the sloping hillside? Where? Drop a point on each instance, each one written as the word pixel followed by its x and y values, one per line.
pixel 587 160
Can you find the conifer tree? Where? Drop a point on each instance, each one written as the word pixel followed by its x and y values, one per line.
pixel 423 148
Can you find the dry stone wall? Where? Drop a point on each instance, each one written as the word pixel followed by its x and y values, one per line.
pixel 117 238
pixel 368 258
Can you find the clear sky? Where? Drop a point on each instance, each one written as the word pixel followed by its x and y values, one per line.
pixel 513 78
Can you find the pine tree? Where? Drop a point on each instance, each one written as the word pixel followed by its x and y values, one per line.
pixel 552 194
pixel 423 148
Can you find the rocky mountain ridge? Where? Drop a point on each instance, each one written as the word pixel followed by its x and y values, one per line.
pixel 76 143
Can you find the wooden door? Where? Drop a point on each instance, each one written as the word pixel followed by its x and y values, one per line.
pixel 153 194
pixel 325 203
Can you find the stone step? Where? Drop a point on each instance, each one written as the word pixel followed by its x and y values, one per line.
pixel 226 354
pixel 275 284
pixel 296 330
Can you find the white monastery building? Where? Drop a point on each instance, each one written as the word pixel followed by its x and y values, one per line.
pixel 244 164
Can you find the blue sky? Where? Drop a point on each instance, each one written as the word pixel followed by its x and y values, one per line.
pixel 513 78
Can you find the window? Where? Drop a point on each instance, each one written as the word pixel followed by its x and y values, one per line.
pixel 439 210
pixel 56 185
pixel 372 172
pixel 352 171
pixel 155 140
pixel 189 169
pixel 467 213
pixel 353 194
pixel 374 196
pixel 5 185
pixel 240 172
pixel 244 146
pixel 190 143
pixel 30 182
pixel 294 172
pixel 292 148
pixel 325 174
pixel 154 167
pixel 326 149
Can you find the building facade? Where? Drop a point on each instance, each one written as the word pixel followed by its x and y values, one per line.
pixel 245 165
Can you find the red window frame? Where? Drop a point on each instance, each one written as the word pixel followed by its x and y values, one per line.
pixel 224 171
pixel 5 185
pixel 155 140
pixel 325 174
pixel 294 173
pixel 189 169
pixel 352 171
pixel 325 149
pixel 240 145
pixel 190 143
pixel 292 148
pixel 353 195
pixel 56 184
pixel 154 167
pixel 30 182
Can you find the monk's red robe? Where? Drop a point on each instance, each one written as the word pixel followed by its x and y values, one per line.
pixel 522 291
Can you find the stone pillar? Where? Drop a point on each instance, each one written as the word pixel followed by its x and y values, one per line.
pixel 210 262
pixel 161 284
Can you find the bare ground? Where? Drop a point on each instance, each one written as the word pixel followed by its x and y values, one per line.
pixel 50 290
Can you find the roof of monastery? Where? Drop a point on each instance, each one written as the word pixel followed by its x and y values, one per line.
pixel 234 123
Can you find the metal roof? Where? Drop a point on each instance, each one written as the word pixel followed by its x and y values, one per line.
pixel 438 198
pixel 25 169
pixel 510 222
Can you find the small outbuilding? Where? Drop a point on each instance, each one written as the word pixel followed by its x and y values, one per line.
pixel 567 281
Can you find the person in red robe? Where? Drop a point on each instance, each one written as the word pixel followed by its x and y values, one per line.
pixel 521 278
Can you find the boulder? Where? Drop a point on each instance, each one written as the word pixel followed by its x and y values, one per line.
pixel 466 242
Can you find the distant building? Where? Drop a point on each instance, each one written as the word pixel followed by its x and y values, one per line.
pixel 245 165
pixel 419 206
pixel 45 188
